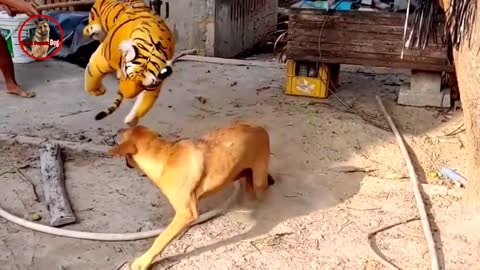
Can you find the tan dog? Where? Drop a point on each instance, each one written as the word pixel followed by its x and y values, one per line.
pixel 41 39
pixel 187 170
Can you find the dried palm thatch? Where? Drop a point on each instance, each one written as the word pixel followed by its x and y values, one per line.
pixel 280 48
pixel 428 14
pixel 460 22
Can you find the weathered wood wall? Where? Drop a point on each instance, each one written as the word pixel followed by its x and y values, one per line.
pixel 76 8
pixel 360 38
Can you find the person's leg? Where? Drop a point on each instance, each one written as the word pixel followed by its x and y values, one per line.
pixel 6 66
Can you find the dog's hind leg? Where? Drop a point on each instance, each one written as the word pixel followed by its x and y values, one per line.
pixel 247 174
pixel 260 179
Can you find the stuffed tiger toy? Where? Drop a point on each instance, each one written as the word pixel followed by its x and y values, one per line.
pixel 138 46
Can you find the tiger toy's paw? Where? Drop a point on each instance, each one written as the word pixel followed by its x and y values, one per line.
pixel 97 92
pixel 94 31
pixel 118 74
pixel 131 121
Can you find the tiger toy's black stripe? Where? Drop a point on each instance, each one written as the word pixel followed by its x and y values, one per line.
pixel 116 103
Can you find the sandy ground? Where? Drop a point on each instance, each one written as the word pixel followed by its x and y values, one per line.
pixel 338 176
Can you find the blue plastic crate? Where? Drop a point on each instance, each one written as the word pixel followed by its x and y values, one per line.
pixel 323 5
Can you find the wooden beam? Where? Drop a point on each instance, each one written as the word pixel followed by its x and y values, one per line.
pixel 65 4
pixel 229 61
pixel 75 146
pixel 300 56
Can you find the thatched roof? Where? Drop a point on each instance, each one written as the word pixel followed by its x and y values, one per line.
pixel 460 18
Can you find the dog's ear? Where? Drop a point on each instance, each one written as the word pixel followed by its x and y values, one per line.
pixel 123 149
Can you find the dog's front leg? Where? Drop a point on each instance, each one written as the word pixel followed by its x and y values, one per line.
pixel 183 218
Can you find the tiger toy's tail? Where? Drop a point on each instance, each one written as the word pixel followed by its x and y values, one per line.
pixel 116 103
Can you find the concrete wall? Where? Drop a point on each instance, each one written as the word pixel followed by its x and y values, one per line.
pixel 187 18
pixel 221 28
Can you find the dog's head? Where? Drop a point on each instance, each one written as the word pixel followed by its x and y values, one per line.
pixel 129 140
pixel 42 28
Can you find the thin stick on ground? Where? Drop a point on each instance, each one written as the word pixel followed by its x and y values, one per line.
pixel 385 262
pixel 24 178
pixel 416 189
pixel 183 53
pixel 121 265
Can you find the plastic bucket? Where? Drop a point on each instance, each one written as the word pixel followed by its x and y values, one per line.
pixel 9 27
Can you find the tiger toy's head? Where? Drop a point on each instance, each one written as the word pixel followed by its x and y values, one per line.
pixel 144 67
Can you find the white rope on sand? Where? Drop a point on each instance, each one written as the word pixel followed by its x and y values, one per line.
pixel 416 189
pixel 116 236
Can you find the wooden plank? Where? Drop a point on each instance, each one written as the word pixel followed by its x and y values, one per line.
pixel 353 38
pixel 230 61
pixel 344 36
pixel 371 62
pixel 75 146
pixel 386 29
pixel 352 18
pixel 53 181
pixel 65 5
pixel 349 27
pixel 355 32
pixel 381 16
pixel 314 52
pixel 358 37
pixel 364 48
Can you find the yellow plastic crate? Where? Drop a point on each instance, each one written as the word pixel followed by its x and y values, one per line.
pixel 307 86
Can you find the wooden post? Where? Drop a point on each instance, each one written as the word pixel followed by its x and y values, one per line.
pixel 53 181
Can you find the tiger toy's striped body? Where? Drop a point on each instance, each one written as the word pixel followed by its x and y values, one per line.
pixel 104 15
pixel 138 46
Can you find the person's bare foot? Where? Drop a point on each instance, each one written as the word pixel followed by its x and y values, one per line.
pixel 18 91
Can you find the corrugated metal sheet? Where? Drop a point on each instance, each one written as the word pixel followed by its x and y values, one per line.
pixel 240 24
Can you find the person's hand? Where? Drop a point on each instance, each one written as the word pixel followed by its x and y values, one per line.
pixel 28 8
pixel 8 10
pixel 15 7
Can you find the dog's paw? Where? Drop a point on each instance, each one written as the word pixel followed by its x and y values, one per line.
pixel 142 263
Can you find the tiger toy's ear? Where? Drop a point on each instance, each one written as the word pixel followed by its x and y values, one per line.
pixel 128 50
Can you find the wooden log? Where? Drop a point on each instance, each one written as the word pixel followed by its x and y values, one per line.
pixel 53 182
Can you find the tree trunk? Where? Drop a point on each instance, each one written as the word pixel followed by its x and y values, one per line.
pixel 467 65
